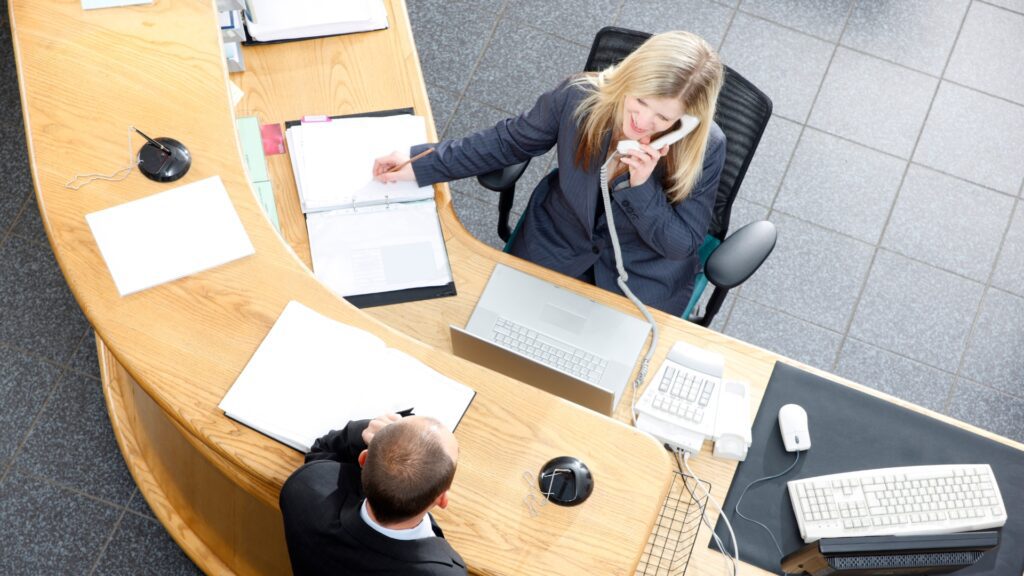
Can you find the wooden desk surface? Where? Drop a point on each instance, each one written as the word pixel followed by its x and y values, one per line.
pixel 87 76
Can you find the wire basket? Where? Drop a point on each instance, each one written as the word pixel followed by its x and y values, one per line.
pixel 668 549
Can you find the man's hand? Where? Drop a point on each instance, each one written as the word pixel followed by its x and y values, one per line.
pixel 382 169
pixel 377 424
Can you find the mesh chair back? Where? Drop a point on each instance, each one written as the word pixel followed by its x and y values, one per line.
pixel 742 113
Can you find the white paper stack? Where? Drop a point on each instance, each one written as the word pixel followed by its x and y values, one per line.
pixel 169 235
pixel 312 374
pixel 274 20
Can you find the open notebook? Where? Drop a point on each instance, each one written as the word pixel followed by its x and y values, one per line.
pixel 312 374
pixel 370 242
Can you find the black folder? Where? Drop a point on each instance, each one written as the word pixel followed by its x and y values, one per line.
pixel 394 296
pixel 851 430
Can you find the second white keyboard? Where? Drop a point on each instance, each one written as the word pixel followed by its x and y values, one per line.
pixel 912 500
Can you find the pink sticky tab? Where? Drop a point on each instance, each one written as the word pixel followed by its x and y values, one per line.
pixel 273 139
pixel 320 118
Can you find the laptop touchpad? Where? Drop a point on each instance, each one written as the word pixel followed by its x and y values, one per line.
pixel 563 319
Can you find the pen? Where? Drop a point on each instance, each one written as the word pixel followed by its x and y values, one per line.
pixel 153 142
pixel 416 157
pixel 405 413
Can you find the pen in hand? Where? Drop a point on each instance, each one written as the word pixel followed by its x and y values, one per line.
pixel 416 157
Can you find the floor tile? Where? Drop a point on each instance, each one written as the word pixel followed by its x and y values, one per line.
pixel 11 202
pixel 522 63
pixel 916 33
pixel 787 66
pixel 442 104
pixel 142 546
pixel 987 408
pixel 1009 271
pixel 771 158
pixel 814 274
pixel 29 224
pixel 948 222
pixel 471 116
pixel 916 310
pixel 895 375
pixel 840 185
pixel 576 20
pixel 48 530
pixel 74 445
pixel 1015 5
pixel 139 505
pixel 989 55
pixel 994 353
pixel 39 314
pixel 873 102
pixel 450 37
pixel 744 213
pixel 85 360
pixel 783 334
pixel 479 218
pixel 25 383
pixel 821 18
pixel 707 19
pixel 974 136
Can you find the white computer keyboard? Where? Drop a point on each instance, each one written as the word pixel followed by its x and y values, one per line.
pixel 907 501
pixel 548 351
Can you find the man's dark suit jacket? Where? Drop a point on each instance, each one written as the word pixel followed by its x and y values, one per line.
pixel 562 229
pixel 320 503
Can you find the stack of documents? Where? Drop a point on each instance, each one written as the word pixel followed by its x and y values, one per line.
pixel 311 375
pixel 277 20
pixel 366 237
pixel 169 235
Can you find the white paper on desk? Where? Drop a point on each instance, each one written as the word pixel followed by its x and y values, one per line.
pixel 379 248
pixel 169 235
pixel 293 19
pixel 93 4
pixel 333 161
pixel 312 374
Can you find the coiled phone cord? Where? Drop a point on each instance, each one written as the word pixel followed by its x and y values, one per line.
pixel 623 277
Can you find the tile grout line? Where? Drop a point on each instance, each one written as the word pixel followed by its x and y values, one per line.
pixel 892 206
pixel 985 291
pixel 56 384
pixel 728 27
pixel 106 544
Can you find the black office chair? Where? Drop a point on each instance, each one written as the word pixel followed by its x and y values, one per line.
pixel 742 113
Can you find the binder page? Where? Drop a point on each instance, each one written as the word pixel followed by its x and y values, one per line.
pixel 335 161
pixel 169 235
pixel 379 248
pixel 308 376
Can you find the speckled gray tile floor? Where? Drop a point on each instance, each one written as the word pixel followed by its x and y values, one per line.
pixel 937 184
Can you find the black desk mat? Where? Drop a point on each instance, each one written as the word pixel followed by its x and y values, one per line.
pixel 850 431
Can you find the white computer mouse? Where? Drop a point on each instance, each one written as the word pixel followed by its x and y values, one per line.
pixel 793 426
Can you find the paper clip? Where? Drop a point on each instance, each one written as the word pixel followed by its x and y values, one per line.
pixel 547 495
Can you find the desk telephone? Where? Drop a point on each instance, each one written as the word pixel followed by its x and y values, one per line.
pixel 687 401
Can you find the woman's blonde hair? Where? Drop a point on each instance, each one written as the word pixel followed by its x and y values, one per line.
pixel 671 65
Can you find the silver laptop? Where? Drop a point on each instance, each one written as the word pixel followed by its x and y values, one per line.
pixel 552 338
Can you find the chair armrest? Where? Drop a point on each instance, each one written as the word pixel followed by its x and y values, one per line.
pixel 741 254
pixel 504 183
pixel 503 179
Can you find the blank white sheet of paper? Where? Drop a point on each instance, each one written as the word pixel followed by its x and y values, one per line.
pixel 169 235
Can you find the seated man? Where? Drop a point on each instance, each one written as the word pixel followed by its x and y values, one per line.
pixel 404 467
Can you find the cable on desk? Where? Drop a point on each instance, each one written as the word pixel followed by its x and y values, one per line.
pixel 733 560
pixel 748 519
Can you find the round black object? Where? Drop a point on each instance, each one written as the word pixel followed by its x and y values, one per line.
pixel 165 164
pixel 566 481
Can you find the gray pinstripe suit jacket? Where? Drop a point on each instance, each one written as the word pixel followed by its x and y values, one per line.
pixel 659 241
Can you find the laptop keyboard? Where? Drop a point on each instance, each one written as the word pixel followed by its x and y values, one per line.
pixel 548 351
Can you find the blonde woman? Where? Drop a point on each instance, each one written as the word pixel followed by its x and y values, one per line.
pixel 662 199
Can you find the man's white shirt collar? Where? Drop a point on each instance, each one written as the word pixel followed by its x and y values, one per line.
pixel 423 530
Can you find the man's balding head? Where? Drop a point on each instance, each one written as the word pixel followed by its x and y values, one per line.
pixel 409 464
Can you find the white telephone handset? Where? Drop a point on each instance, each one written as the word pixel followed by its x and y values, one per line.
pixel 687 124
